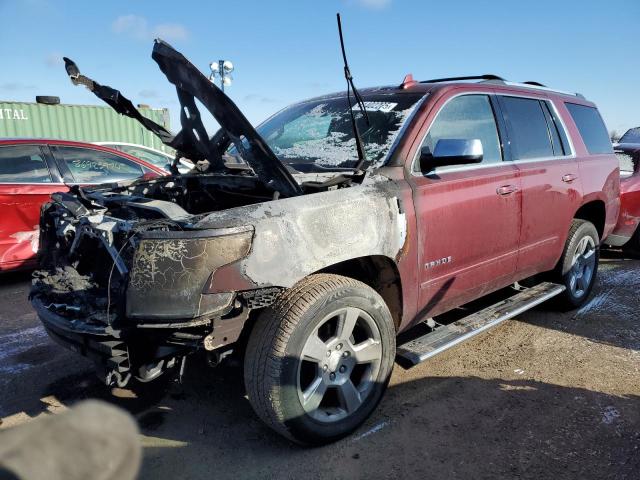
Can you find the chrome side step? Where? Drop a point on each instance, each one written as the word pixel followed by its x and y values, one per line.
pixel 447 336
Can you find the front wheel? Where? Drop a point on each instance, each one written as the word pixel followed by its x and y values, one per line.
pixel 319 360
pixel 578 265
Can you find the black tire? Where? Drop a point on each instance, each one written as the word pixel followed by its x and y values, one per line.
pixel 273 359
pixel 566 271
pixel 47 100
pixel 632 247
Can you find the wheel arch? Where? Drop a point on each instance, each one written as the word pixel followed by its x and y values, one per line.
pixel 378 272
pixel 595 212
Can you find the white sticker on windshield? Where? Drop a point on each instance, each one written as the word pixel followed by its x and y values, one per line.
pixel 385 107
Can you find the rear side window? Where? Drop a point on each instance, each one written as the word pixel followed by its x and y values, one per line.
pixel 591 128
pixel 531 135
pixel 94 166
pixel 23 164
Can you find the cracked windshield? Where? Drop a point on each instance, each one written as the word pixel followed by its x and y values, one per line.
pixel 318 135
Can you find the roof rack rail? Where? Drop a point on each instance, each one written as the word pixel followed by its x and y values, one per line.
pixel 540 86
pixel 487 76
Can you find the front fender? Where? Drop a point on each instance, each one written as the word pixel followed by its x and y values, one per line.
pixel 297 236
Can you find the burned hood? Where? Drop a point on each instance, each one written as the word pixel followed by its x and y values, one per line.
pixel 193 141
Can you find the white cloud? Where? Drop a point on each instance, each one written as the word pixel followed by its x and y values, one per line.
pixel 54 59
pixel 374 4
pixel 132 25
pixel 149 93
pixel 170 31
pixel 254 97
pixel 15 86
pixel 139 28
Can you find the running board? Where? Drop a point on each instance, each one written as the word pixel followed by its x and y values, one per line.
pixel 447 336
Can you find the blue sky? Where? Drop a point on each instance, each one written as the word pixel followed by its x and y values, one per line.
pixel 287 51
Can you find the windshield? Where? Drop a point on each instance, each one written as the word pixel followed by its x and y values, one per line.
pixel 318 135
pixel 631 136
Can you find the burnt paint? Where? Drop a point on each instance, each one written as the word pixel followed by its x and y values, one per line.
pixel 295 237
pixel 168 276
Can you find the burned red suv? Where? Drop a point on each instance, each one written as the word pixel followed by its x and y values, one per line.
pixel 306 245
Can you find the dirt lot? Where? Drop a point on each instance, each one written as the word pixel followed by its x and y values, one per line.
pixel 543 396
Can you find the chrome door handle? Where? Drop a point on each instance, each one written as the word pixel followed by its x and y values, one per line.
pixel 569 177
pixel 506 190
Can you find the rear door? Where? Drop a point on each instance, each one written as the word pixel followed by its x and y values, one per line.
pixel 468 216
pixel 26 182
pixel 551 187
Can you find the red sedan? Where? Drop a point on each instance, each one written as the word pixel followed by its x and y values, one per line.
pixel 31 170
pixel 627 231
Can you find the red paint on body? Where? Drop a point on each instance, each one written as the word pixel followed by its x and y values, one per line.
pixel 20 205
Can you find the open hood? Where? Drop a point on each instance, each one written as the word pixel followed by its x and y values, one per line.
pixel 193 141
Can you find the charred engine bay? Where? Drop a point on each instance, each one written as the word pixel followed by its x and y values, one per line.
pixel 196 194
pixel 89 236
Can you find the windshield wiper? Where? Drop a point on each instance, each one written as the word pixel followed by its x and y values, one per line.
pixel 362 156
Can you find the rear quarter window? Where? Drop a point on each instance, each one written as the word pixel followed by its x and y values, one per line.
pixel 591 128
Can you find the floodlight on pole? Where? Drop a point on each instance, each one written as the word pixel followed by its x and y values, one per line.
pixel 221 69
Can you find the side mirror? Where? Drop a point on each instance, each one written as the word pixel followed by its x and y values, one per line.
pixel 451 151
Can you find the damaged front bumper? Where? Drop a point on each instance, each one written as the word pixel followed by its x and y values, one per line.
pixel 102 344
pixel 136 296
pixel 133 349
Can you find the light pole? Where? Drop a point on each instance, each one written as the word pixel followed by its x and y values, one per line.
pixel 222 69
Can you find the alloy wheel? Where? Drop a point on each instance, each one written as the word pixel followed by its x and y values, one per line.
pixel 582 267
pixel 339 364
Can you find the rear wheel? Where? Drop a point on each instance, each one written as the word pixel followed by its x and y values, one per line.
pixel 319 360
pixel 578 265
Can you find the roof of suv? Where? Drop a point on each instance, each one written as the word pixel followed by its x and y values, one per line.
pixel 411 86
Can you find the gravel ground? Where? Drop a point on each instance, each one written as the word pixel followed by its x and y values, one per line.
pixel 546 395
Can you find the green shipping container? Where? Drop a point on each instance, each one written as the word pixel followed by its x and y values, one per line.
pixel 83 123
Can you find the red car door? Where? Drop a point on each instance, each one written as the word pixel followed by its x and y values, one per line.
pixel 551 187
pixel 26 182
pixel 468 216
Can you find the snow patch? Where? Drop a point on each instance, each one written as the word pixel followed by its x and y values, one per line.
pixel 610 415
pixel 13 344
pixel 594 304
pixel 611 279
pixel 372 430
